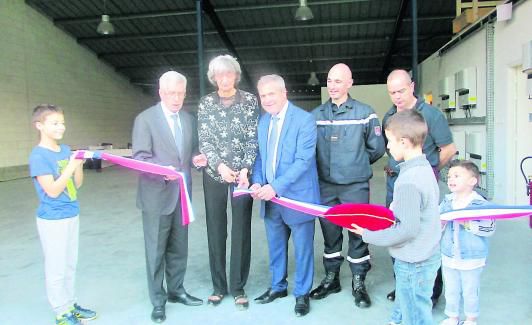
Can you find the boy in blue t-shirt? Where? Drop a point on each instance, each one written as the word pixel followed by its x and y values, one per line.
pixel 57 175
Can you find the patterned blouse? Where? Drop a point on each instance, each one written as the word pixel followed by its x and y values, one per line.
pixel 228 134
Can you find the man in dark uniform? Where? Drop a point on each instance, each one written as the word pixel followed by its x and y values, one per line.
pixel 438 147
pixel 349 141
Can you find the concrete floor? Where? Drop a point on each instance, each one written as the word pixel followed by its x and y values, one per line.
pixel 111 269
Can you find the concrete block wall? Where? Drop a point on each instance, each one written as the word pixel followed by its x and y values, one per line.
pixel 40 63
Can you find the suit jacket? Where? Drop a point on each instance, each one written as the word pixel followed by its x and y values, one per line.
pixel 154 142
pixel 296 176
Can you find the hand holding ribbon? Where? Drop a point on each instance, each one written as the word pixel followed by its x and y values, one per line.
pixel 187 214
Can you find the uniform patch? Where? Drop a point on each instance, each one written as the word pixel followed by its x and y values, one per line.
pixel 377 130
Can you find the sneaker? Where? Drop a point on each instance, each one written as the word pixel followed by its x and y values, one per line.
pixel 469 322
pixel 450 321
pixel 67 319
pixel 82 313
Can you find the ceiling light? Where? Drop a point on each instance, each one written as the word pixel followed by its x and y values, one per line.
pixel 313 79
pixel 303 12
pixel 105 27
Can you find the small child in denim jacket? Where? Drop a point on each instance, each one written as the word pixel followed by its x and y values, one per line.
pixel 464 245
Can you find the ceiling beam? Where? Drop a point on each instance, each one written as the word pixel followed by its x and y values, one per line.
pixel 269 46
pixel 209 10
pixel 189 12
pixel 258 74
pixel 397 28
pixel 377 56
pixel 140 36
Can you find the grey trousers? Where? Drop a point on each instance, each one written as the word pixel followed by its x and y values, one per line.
pixel 166 246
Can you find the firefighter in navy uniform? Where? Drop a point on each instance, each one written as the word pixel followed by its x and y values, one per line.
pixel 349 141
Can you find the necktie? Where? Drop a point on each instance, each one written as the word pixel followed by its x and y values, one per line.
pixel 270 153
pixel 178 136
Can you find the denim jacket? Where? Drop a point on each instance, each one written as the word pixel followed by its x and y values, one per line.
pixel 468 240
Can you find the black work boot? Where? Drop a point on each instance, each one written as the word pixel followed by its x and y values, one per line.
pixel 359 291
pixel 330 284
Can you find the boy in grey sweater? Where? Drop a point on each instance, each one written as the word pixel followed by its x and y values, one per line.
pixel 414 239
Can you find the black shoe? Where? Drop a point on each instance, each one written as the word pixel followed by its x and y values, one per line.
pixel 185 299
pixel 330 284
pixel 359 292
pixel 270 296
pixel 302 306
pixel 391 295
pixel 158 315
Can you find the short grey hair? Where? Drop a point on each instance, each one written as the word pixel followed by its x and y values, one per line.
pixel 272 78
pixel 171 76
pixel 223 63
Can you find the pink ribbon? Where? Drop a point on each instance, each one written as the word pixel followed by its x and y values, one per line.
pixel 491 211
pixel 308 208
pixel 187 214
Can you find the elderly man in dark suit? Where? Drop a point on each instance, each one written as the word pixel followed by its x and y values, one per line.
pixel 165 135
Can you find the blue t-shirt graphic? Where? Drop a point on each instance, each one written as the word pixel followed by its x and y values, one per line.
pixel 44 161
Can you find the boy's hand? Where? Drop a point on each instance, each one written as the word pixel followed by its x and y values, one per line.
pixel 75 162
pixel 357 229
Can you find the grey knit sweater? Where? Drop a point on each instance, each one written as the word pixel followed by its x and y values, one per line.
pixel 416 235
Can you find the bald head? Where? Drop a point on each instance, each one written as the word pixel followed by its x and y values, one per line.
pixel 399 75
pixel 339 80
pixel 401 90
pixel 341 69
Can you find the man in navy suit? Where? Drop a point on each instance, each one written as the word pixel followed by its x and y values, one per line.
pixel 286 166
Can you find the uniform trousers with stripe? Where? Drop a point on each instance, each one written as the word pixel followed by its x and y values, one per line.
pixel 358 253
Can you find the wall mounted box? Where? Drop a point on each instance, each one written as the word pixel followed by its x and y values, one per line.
pixel 465 82
pixel 527 57
pixel 475 147
pixel 446 94
pixel 459 139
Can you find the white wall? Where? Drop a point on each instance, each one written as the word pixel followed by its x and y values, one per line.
pixel 306 104
pixel 509 37
pixel 513 130
pixel 469 53
pixel 374 95
pixel 39 63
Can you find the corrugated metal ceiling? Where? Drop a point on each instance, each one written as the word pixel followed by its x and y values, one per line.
pixel 154 36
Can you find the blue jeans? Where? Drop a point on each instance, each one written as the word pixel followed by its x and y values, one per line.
pixel 413 289
pixel 460 284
